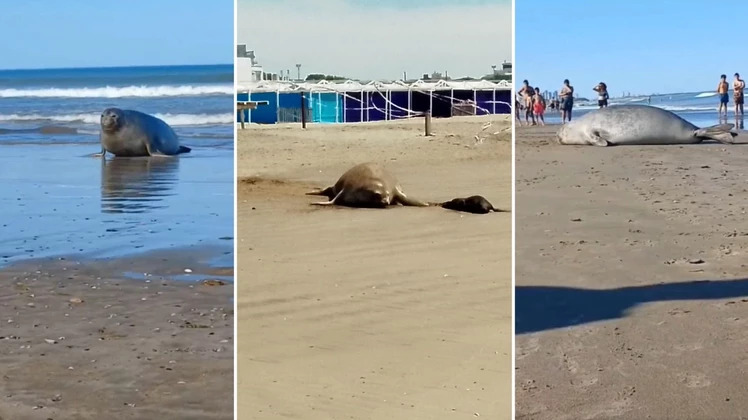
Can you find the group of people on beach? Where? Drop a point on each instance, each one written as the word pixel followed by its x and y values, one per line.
pixel 738 86
pixel 534 104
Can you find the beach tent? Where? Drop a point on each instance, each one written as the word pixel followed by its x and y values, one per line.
pixel 354 101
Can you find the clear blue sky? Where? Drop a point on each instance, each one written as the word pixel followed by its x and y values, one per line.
pixel 93 33
pixel 641 46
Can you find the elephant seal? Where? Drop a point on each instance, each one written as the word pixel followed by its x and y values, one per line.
pixel 126 132
pixel 638 124
pixel 473 204
pixel 366 185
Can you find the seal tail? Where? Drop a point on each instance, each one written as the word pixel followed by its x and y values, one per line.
pixel 184 149
pixel 720 132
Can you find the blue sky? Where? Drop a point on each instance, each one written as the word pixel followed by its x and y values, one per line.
pixel 381 39
pixel 641 46
pixel 91 33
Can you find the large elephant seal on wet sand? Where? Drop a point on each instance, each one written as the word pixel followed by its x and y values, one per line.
pixel 126 132
pixel 366 185
pixel 638 124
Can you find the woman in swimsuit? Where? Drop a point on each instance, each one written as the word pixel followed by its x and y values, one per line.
pixel 602 94
pixel 567 101
pixel 538 106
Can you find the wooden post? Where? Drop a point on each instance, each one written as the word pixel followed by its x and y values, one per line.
pixel 303 111
pixel 241 117
pixel 428 123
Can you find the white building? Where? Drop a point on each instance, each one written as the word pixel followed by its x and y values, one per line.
pixel 247 68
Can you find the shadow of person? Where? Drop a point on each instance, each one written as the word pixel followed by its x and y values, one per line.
pixel 540 308
pixel 137 185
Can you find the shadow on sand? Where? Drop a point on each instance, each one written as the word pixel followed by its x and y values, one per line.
pixel 540 308
pixel 137 185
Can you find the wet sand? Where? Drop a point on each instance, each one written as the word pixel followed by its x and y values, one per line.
pixel 57 200
pixel 80 339
pixel 368 314
pixel 99 315
pixel 631 288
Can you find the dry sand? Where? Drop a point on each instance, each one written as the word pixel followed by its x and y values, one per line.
pixel 632 297
pixel 402 313
pixel 80 340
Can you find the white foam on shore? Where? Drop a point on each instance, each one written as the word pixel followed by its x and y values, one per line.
pixel 676 108
pixel 119 92
pixel 172 119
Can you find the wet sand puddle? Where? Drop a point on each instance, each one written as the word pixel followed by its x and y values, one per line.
pixel 56 200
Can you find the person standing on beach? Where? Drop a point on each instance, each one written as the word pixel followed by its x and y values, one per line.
pixel 602 94
pixel 527 93
pixel 567 101
pixel 517 107
pixel 722 92
pixel 738 85
pixel 538 107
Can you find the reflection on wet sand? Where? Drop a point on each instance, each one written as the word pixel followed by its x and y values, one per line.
pixel 137 185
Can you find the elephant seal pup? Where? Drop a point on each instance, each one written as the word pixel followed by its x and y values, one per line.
pixel 638 124
pixel 366 185
pixel 474 204
pixel 126 132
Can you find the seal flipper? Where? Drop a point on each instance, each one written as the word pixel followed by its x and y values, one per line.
pixel 599 138
pixel 403 199
pixel 328 203
pixel 327 192
pixel 102 153
pixel 719 132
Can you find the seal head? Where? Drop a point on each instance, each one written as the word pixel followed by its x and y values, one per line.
pixel 111 120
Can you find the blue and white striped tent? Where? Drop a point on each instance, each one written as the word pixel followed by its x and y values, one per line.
pixel 352 101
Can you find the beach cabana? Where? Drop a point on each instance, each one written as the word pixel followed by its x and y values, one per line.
pixel 353 101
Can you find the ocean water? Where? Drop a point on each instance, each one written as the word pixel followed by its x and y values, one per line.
pixel 57 200
pixel 700 108
pixel 64 105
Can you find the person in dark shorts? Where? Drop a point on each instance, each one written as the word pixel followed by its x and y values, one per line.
pixel 724 98
pixel 738 85
pixel 602 94
pixel 567 101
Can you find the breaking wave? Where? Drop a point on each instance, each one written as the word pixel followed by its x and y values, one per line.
pixel 119 92
pixel 172 119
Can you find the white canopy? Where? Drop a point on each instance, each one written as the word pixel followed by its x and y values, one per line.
pixel 375 85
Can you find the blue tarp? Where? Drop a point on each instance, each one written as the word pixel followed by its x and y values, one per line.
pixel 332 107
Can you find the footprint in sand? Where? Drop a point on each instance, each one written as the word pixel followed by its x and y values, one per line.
pixel 694 380
pixel 527 348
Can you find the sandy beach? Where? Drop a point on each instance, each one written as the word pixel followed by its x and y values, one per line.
pixel 631 288
pixel 99 317
pixel 84 339
pixel 401 313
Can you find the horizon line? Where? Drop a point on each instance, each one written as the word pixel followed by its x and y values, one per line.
pixel 113 67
